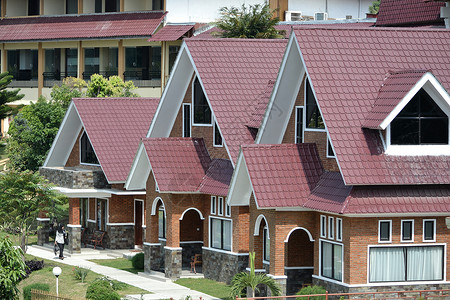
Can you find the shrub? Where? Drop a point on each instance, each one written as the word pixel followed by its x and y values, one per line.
pixel 33 265
pixel 312 290
pixel 101 290
pixel 80 273
pixel 34 286
pixel 138 261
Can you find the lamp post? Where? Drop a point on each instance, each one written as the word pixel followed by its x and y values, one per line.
pixel 57 271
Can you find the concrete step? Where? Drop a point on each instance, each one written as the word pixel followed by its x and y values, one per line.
pixel 155 275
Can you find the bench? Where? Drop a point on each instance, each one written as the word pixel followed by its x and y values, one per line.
pixel 97 238
pixel 195 260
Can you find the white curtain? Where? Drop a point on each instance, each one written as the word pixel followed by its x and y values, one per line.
pixel 226 235
pixel 327 260
pixel 337 262
pixel 216 233
pixel 387 264
pixel 425 263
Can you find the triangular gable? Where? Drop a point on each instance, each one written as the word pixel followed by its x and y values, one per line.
pixel 140 170
pixel 397 90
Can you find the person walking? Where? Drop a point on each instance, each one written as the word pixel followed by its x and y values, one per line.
pixel 59 240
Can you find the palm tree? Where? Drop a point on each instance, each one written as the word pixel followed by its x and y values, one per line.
pixel 253 22
pixel 243 280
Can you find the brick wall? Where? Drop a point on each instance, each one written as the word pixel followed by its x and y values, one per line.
pixel 74 157
pixel 74 211
pixel 121 209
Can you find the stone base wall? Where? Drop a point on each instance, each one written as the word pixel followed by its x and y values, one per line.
pixel 296 278
pixel 74 239
pixel 154 257
pixel 222 266
pixel 172 259
pixel 189 250
pixel 120 237
pixel 43 232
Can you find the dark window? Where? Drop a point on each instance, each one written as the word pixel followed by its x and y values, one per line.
pixel 84 212
pixel 407 230
pixel 71 62
pixel 98 6
pixel 298 125
pixel 313 116
pixel 112 6
pixel 157 4
pixel 91 62
pixel 161 223
pixel 87 152
pixel 186 120
pixel 385 231
pixel 202 112
pixel 266 245
pixel 330 152
pixel 331 256
pixel 428 230
pixel 217 136
pixel 420 122
pixel 71 6
pixel 142 63
pixel 173 52
pixel 23 64
pixel 33 7
pixel 220 234
pixel 101 214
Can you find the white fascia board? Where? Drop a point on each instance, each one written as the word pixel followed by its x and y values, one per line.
pixel 432 86
pixel 283 95
pixel 240 188
pixel 65 139
pixel 126 193
pixel 172 96
pixel 140 170
pixel 84 193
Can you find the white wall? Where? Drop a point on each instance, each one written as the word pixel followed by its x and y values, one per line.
pixel 199 10
pixel 337 9
pixel 88 6
pixel 54 7
pixel 16 8
pixel 137 5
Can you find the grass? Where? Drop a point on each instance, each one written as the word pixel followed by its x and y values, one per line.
pixel 117 263
pixel 68 285
pixel 207 286
pixel 32 239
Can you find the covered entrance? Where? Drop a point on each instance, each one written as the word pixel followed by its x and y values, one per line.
pixel 191 237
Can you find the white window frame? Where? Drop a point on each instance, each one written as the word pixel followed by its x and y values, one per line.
pixel 182 119
pixel 323 226
pixel 303 123
pixel 213 205
pixel 193 106
pixel 210 233
pixel 339 229
pixel 214 135
pixel 266 234
pixel 379 231
pixel 434 230
pixel 328 147
pixel 331 228
pixel 79 149
pixel 305 126
pixel 143 210
pixel 227 209
pixel 220 206
pixel 412 231
pixel 342 259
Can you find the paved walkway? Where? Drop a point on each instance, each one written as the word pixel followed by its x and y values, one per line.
pixel 159 289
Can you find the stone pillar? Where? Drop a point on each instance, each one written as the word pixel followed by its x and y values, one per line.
pixel 154 257
pixel 74 238
pixel 43 230
pixel 282 282
pixel 172 258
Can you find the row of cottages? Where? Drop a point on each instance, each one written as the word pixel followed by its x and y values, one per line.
pixel 327 154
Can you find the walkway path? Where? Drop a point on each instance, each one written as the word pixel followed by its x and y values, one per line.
pixel 159 289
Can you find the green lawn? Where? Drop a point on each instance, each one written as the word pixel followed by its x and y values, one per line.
pixel 207 286
pixel 117 263
pixel 32 239
pixel 68 285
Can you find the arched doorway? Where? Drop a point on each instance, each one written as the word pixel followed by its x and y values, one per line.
pixel 191 236
pixel 299 259
pixel 262 243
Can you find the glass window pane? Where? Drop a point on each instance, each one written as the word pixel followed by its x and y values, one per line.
pixel 313 116
pixel 266 246
pixel 327 260
pixel 202 112
pixel 385 231
pixel 71 6
pixel 425 263
pixel 405 132
pixel 429 133
pixel 299 125
pixel 407 230
pixel 186 121
pixel 337 257
pixel 226 235
pixel 216 233
pixel 161 224
pixel 387 264
pixel 429 230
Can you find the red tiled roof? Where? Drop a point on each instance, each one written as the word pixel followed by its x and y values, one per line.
pixel 171 32
pixel 115 127
pixel 393 90
pixel 234 73
pixel 409 12
pixel 260 108
pixel 282 175
pixel 217 178
pixel 174 172
pixel 347 67
pixel 89 26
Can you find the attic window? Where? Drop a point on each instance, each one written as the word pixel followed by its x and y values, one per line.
pixel 202 112
pixel 421 122
pixel 87 153
pixel 313 116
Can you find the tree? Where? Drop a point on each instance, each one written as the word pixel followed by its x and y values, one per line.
pixel 113 86
pixel 32 132
pixel 23 194
pixel 253 22
pixel 373 9
pixel 12 269
pixel 71 87
pixel 7 96
pixel 242 280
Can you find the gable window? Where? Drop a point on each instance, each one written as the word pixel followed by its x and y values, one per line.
pixel 338 229
pixel 218 142
pixel 429 230
pixel 266 245
pixel 323 226
pixel 407 230
pixel 298 124
pixel 186 120
pixel 330 152
pixel 87 154
pixel 384 231
pixel 331 260
pixel 220 230
pixel 313 117
pixel 420 122
pixel 202 112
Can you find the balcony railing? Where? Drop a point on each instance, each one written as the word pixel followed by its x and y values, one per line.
pixel 52 78
pixel 144 78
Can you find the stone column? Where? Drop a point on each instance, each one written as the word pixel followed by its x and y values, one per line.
pixel 282 282
pixel 154 260
pixel 172 258
pixel 43 230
